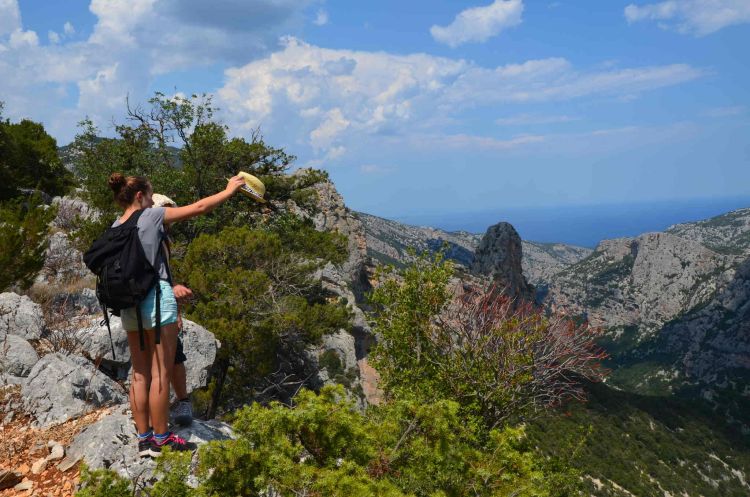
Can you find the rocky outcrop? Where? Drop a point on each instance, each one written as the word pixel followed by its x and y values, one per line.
pixel 499 257
pixel 62 387
pixel 17 356
pixel 333 215
pixel 20 316
pixel 391 242
pixel 111 443
pixel 62 262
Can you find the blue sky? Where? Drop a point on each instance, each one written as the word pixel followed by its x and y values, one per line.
pixel 421 107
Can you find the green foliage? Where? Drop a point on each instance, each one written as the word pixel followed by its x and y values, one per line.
pixel 324 446
pixel 257 295
pixel 103 483
pixel 404 322
pixel 199 167
pixel 631 435
pixel 23 239
pixel 498 360
pixel 29 160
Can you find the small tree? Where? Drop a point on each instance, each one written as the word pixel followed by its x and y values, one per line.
pixel 475 346
pixel 24 236
pixel 255 290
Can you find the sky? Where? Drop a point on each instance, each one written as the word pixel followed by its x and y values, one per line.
pixel 425 107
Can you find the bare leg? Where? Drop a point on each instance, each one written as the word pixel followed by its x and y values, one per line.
pixel 179 381
pixel 162 365
pixel 140 381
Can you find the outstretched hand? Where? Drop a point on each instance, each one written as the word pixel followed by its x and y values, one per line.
pixel 235 183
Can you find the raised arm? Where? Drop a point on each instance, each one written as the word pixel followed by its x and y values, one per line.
pixel 204 205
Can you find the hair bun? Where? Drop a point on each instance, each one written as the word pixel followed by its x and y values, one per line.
pixel 117 181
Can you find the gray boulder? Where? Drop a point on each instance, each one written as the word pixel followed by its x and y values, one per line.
pixel 17 356
pixel 95 340
pixel 20 316
pixel 200 347
pixel 111 443
pixel 62 387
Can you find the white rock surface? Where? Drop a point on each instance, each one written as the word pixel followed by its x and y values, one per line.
pixel 20 316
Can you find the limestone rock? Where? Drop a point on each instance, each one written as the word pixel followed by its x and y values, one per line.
pixel 68 209
pixel 39 466
pixel 24 485
pixel 95 340
pixel 200 346
pixel 62 387
pixel 17 356
pixel 57 452
pixel 111 443
pixel 20 316
pixel 499 256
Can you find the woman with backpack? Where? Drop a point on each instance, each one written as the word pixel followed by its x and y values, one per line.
pixel 153 353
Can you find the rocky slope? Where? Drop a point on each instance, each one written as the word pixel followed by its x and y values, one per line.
pixel 388 242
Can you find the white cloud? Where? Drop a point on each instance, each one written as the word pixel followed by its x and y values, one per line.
pixel 734 110
pixel 322 136
pixel 131 37
pixel 526 119
pixel 20 38
pixel 325 98
pixel 478 24
pixel 696 17
pixel 321 18
pixel 10 17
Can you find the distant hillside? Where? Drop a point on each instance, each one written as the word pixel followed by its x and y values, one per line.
pixel 644 446
pixel 675 307
pixel 388 243
pixel 727 234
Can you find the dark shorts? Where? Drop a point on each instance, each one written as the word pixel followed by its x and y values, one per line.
pixel 180 356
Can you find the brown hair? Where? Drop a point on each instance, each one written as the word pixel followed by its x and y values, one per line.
pixel 125 188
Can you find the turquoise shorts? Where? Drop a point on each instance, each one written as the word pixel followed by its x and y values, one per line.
pixel 168 309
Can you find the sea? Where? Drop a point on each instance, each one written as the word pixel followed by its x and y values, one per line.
pixel 582 225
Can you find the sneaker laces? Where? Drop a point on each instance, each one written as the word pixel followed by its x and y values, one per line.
pixel 174 438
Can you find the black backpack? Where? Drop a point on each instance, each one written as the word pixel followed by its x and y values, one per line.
pixel 124 276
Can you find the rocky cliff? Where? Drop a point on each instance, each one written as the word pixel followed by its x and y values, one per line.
pixel 674 306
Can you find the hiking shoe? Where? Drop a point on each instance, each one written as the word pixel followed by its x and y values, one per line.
pixel 144 446
pixel 182 412
pixel 173 442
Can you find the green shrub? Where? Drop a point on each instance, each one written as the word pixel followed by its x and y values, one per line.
pixel 24 235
